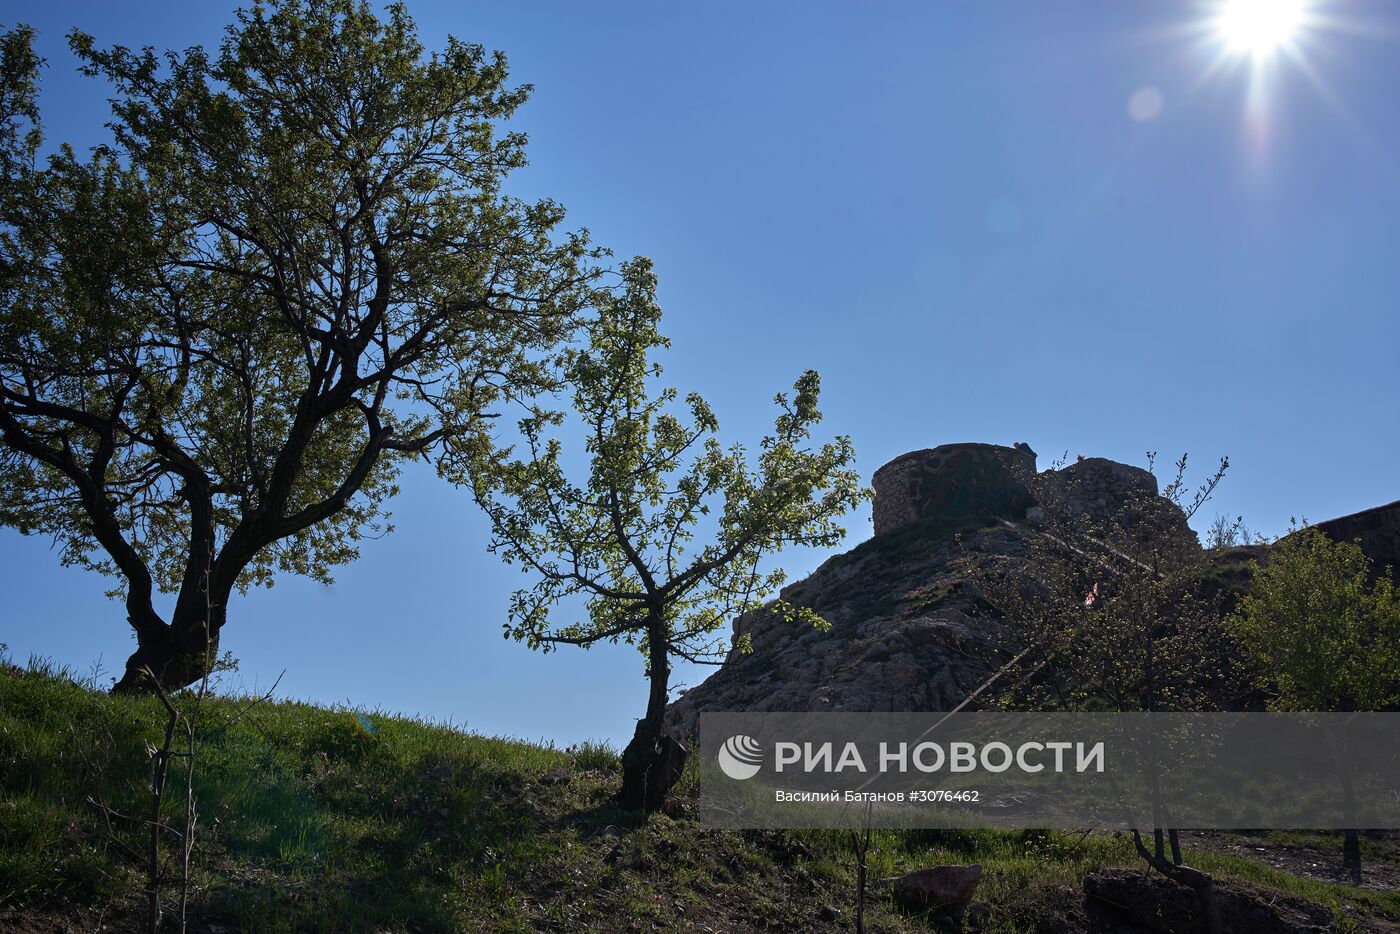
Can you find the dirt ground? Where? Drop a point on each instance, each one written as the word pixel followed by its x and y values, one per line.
pixel 1311 854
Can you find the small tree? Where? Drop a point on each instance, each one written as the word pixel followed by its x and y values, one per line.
pixel 624 537
pixel 292 270
pixel 1117 618
pixel 1322 636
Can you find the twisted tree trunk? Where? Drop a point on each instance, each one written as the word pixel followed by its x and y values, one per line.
pixel 179 652
pixel 178 656
pixel 1199 882
pixel 652 762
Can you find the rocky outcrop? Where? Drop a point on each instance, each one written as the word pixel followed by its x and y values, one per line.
pixel 909 629
pixel 953 481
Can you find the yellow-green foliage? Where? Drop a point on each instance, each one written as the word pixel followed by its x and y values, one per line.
pixel 1321 635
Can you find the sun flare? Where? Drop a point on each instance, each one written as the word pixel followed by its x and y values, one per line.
pixel 1259 27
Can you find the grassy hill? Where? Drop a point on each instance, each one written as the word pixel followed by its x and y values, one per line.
pixel 319 819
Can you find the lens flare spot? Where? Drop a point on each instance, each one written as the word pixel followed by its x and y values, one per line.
pixel 1145 104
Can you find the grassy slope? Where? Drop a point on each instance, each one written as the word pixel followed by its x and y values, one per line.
pixel 311 822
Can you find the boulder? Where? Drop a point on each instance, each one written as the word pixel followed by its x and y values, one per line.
pixel 953 482
pixel 1136 901
pixel 939 887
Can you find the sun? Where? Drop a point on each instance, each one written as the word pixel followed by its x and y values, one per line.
pixel 1259 27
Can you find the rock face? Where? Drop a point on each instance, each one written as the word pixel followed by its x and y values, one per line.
pixel 907 632
pixel 909 628
pixel 952 481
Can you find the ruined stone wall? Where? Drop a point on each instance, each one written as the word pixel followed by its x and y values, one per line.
pixel 952 481
pixel 1376 530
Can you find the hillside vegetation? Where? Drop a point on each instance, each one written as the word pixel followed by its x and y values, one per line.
pixel 320 819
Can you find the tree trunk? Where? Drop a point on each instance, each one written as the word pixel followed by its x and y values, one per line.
pixel 861 842
pixel 1351 856
pixel 179 653
pixel 652 762
pixel 1351 842
pixel 1199 882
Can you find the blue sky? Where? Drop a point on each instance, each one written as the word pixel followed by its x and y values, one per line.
pixel 1076 224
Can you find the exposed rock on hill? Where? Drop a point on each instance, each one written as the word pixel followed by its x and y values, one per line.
pixel 909 628
pixel 907 631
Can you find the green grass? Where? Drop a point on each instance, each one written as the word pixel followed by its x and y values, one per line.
pixel 317 819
